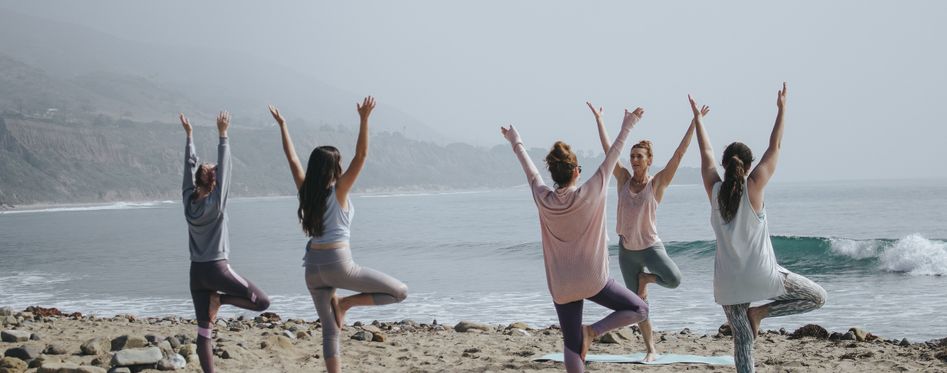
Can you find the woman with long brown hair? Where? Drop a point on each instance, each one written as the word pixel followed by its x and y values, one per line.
pixel 745 268
pixel 325 212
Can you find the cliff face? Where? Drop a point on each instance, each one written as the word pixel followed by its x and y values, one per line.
pixel 107 160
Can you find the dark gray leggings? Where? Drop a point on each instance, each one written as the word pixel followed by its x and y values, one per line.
pixel 655 259
pixel 330 269
pixel 217 277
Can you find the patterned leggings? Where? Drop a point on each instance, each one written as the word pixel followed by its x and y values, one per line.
pixel 802 295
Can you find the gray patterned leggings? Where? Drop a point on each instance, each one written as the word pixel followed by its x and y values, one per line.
pixel 802 295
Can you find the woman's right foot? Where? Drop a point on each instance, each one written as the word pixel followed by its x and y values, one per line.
pixel 755 316
pixel 644 279
pixel 588 335
pixel 338 312
pixel 214 306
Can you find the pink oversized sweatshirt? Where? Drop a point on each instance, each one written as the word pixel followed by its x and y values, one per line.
pixel 572 224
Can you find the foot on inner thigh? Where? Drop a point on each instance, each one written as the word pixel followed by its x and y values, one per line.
pixel 588 334
pixel 644 279
pixel 214 306
pixel 339 309
pixel 756 315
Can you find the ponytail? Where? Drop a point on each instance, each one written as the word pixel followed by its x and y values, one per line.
pixel 737 159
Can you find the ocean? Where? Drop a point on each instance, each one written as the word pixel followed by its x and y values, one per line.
pixel 878 247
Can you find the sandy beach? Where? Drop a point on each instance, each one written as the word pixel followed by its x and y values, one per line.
pixel 42 341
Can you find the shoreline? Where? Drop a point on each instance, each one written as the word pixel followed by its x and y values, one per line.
pixel 269 343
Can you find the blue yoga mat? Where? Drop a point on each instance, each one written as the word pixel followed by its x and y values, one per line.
pixel 636 358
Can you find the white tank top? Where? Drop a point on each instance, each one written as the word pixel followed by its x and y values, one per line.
pixel 636 217
pixel 745 268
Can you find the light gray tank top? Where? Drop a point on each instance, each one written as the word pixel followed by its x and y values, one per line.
pixel 336 221
pixel 745 268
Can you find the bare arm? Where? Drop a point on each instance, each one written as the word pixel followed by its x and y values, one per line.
pixel 767 165
pixel 295 167
pixel 599 180
pixel 621 173
pixel 708 166
pixel 347 180
pixel 663 179
pixel 190 158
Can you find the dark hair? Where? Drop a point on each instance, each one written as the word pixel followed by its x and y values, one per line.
pixel 561 163
pixel 199 177
pixel 737 159
pixel 643 144
pixel 323 170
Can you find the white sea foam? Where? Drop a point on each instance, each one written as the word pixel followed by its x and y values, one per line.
pixel 916 255
pixel 97 207
pixel 419 194
pixel 856 249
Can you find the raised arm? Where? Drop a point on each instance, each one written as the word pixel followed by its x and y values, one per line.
pixel 621 173
pixel 767 166
pixel 296 168
pixel 600 179
pixel 347 180
pixel 708 167
pixel 532 174
pixel 190 157
pixel 663 178
pixel 224 166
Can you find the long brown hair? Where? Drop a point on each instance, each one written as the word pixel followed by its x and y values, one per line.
pixel 737 159
pixel 561 162
pixel 323 170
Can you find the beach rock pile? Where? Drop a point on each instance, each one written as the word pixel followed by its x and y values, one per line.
pixel 100 354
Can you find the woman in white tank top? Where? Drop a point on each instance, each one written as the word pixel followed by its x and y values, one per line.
pixel 640 247
pixel 745 268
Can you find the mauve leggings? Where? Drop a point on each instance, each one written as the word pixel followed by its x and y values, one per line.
pixel 629 309
pixel 214 277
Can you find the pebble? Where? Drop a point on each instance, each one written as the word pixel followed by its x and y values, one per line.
pixel 55 349
pixel 173 362
pixel 12 365
pixel 96 346
pixel 12 336
pixel 465 326
pixel 25 352
pixel 137 356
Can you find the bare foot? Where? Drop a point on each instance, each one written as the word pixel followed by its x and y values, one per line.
pixel 756 315
pixel 214 306
pixel 338 312
pixel 587 336
pixel 644 279
pixel 649 357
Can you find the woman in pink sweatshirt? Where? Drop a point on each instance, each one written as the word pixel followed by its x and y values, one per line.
pixel 572 225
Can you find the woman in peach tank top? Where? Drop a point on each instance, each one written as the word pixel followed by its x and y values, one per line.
pixel 639 194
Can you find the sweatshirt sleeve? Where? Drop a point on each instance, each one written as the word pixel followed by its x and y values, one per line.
pixel 224 167
pixel 532 174
pixel 190 166
pixel 604 172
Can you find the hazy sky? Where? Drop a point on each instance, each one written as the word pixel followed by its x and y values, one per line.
pixel 866 78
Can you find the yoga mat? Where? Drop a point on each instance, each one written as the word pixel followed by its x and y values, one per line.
pixel 636 358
